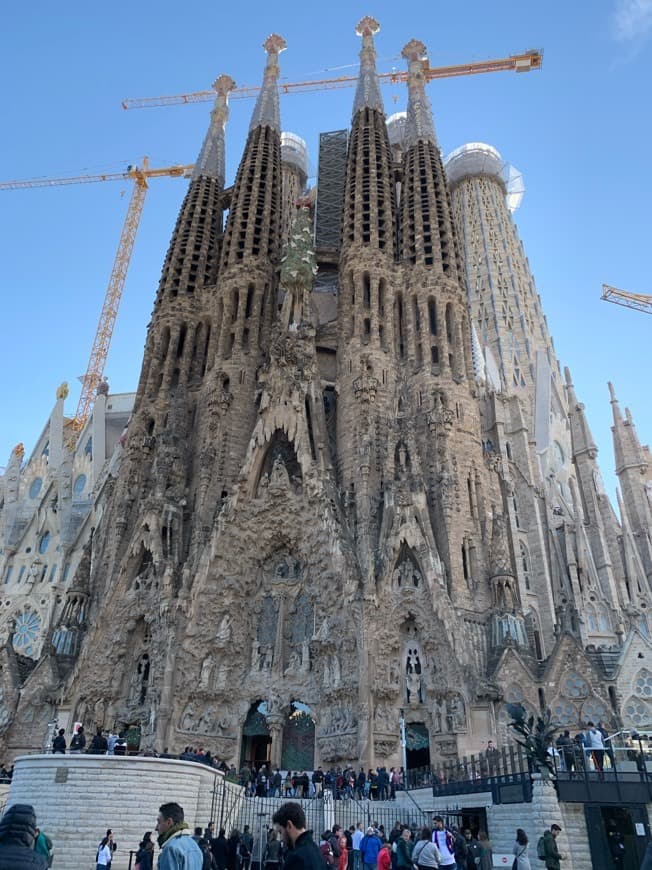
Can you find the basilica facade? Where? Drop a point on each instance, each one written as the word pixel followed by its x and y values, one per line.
pixel 355 487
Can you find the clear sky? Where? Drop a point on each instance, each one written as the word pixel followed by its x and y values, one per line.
pixel 579 131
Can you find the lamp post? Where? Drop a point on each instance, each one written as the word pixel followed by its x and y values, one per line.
pixel 403 746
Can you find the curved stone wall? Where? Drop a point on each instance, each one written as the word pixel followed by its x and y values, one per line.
pixel 77 797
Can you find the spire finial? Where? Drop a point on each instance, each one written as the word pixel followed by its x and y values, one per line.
pixel 267 112
pixel 367 94
pixel 420 126
pixel 612 393
pixel 211 161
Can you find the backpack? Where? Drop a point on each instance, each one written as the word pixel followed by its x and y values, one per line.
pixel 541 849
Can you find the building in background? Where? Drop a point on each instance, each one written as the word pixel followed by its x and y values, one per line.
pixel 354 486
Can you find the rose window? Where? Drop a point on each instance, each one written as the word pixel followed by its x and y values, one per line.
pixel 575 686
pixel 564 713
pixel 643 684
pixel 638 712
pixel 594 710
pixel 28 625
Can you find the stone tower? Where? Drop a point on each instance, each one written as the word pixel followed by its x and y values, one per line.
pixel 330 515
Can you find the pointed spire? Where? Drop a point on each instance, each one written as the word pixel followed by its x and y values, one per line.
pixel 581 436
pixel 420 126
pixel 614 403
pixel 211 160
pixel 267 112
pixel 627 448
pixel 367 94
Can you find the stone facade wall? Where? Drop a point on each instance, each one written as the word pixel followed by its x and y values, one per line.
pixel 77 797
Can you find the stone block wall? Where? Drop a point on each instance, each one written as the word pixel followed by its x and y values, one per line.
pixel 77 797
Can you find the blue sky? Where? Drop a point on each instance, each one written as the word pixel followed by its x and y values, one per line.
pixel 579 131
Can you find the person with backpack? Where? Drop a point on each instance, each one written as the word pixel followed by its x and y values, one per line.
pixel 43 845
pixel 547 848
pixel 445 841
pixel 326 850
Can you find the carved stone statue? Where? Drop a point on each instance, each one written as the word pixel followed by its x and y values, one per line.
pixel 188 718
pixel 206 673
pixel 224 629
pixel 413 677
pixel 439 716
pixel 455 714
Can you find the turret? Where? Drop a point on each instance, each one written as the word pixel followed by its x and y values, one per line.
pixel 243 305
pixel 179 335
pixel 366 375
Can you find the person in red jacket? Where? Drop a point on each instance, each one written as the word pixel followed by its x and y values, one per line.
pixel 385 857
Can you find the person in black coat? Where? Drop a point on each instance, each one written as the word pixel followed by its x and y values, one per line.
pixel 303 852
pixel 59 742
pixel 233 850
pixel 220 850
pixel 99 744
pixel 17 828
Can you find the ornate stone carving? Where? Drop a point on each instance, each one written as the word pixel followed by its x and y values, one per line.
pixel 338 719
pixel 385 720
pixel 207 722
pixel 456 714
pixel 365 386
pixel 413 671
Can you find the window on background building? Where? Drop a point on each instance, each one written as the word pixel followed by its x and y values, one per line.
pixel 80 484
pixel 35 487
pixel 66 571
pixel 44 542
pixel 8 573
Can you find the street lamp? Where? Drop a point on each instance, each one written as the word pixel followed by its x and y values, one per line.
pixel 403 745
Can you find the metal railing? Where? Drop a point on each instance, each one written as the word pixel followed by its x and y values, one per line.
pixel 620 773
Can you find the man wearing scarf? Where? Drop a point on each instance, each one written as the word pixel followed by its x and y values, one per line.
pixel 178 849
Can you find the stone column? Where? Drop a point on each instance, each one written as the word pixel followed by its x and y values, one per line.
pixel 545 812
pixel 276 731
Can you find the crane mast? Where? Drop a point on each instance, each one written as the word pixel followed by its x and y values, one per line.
pixel 113 296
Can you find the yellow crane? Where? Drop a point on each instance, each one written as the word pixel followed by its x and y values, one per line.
pixel 637 301
pixel 140 175
pixel 529 60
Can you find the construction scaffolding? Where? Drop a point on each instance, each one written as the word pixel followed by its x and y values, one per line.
pixel 330 189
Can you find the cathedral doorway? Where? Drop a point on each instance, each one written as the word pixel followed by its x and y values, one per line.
pixel 417 745
pixel 256 738
pixel 298 739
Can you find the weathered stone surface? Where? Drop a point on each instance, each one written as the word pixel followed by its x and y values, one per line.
pixel 326 511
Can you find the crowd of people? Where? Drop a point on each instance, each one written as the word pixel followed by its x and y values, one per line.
pixel 377 784
pixel 574 753
pixel 290 845
pixel 403 849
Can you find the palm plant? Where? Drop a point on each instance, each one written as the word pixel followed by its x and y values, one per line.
pixel 536 735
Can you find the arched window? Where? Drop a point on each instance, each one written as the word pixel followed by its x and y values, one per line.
pixel 525 563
